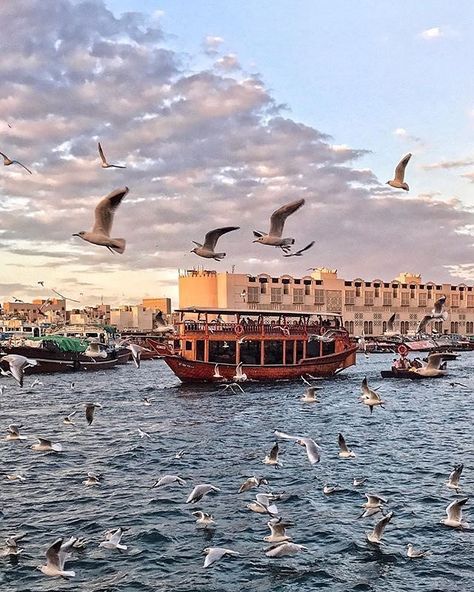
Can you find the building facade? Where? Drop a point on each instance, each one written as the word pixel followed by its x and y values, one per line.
pixel 366 305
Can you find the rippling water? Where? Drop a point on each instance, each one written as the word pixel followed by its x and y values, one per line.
pixel 406 450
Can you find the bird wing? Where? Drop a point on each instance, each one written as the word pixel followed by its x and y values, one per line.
pixel 454 510
pixel 22 165
pixel 438 305
pixel 64 550
pixel 434 361
pixel 116 536
pixel 424 321
pixel 401 166
pixel 213 236
pixel 342 443
pixel 52 554
pixel 44 442
pixel 391 321
pixel 285 436
pixel 365 388
pixel 274 452
pixel 455 474
pixel 90 413
pixel 105 210
pixel 312 450
pixel 101 154
pixel 304 248
pixel 277 220
pixel 381 524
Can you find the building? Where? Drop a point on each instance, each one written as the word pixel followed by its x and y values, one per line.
pixel 366 305
pixel 157 304
pixel 52 310
pixel 132 318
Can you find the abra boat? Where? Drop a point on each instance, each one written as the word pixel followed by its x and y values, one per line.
pixel 270 345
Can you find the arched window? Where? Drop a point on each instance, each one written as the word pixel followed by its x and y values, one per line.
pixel 371 327
pixel 384 326
pixel 366 327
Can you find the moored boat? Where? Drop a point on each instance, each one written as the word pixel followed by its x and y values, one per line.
pixel 267 345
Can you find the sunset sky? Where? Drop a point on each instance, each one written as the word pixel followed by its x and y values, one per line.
pixel 222 112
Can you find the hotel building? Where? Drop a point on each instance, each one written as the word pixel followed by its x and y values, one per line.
pixel 365 305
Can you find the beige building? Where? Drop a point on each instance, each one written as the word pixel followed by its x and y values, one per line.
pixel 366 305
pixel 132 318
pixel 158 304
pixel 52 310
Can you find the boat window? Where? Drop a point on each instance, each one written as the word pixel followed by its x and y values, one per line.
pixel 289 348
pixel 312 349
pixel 222 351
pixel 273 352
pixel 250 352
pixel 329 348
pixel 200 350
pixel 299 350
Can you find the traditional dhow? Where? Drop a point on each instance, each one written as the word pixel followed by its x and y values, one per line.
pixel 213 345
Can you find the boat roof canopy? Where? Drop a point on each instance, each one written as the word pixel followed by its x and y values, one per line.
pixel 247 312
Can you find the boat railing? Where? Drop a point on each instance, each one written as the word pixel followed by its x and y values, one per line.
pixel 300 330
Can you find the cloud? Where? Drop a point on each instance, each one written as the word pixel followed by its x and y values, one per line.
pixel 433 33
pixel 204 148
pixel 449 164
pixel 402 133
pixel 212 44
pixel 228 63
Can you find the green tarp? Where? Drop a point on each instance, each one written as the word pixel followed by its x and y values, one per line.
pixel 69 344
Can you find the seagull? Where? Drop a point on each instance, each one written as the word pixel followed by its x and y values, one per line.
pixel 147 402
pixel 398 182
pixel 454 476
pixel 283 549
pixel 278 531
pixel 358 481
pixel 373 505
pixel 36 382
pixel 68 419
pixel 438 312
pixel 90 408
pixel 344 450
pixel 15 477
pixel 263 505
pixel 18 365
pixel 104 217
pixel 113 540
pixel 2 390
pixel 180 454
pixel 453 384
pixel 252 482
pixel 328 489
pixel 14 433
pixel 56 557
pixel 136 352
pixel 376 535
pixel 213 554
pixel 210 241
pixel 46 446
pixel 168 480
pixel 454 514
pixel 216 374
pixel 301 251
pixel 412 553
pixel 92 479
pixel 7 162
pixel 277 222
pixel 231 387
pixel 200 491
pixel 390 323
pixel 41 284
pixel 432 368
pixel 370 397
pixel 272 458
pixel 11 547
pixel 64 297
pixel 143 434
pixel 239 375
pixel 203 518
pixel 105 164
pixel 312 449
pixel 310 395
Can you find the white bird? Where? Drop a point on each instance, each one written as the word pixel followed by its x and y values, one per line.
pixel 143 434
pixel 44 445
pixel 277 222
pixel 310 395
pixel 168 480
pixel 454 514
pixel 263 504
pixel 376 535
pixel 432 368
pixel 180 454
pixel 373 505
pixel 358 481
pixel 113 539
pixel 437 313
pixel 370 397
pixel 56 557
pixel 412 553
pixel 90 410
pixel 213 554
pixel 301 251
pixel 203 518
pixel 92 480
pixel 11 547
pixel 278 531
pixel 104 217
pixel 105 164
pixel 328 489
pixel 18 365
pixel 285 548
pixel 252 482
pixel 15 477
pixel 454 476
pixel 210 241
pixel 216 374
pixel 399 181
pixel 136 353
pixel 68 419
pixel 200 491
pixel 344 451
pixel 147 402
pixel 36 382
pixel 8 161
pixel 272 458
pixel 312 449
pixel 240 376
pixel 14 433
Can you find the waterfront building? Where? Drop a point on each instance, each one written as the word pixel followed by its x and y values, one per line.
pixel 157 304
pixel 366 305
pixel 51 310
pixel 132 318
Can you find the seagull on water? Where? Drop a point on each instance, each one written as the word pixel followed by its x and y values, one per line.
pixel 147 402
pixel 283 549
pixel 113 539
pixel 18 365
pixel 15 477
pixel 312 449
pixel 301 251
pixel 328 489
pixel 344 451
pixel 105 164
pixel 399 181
pixel 412 553
pixel 278 531
pixel 11 547
pixel 90 409
pixel 143 434
pixel 240 376
pixel 200 491
pixel 277 222
pixel 44 445
pixel 437 313
pixel 56 557
pixel 8 161
pixel 104 217
pixel 213 554
pixel 92 480
pixel 14 433
pixel 370 397
pixel 454 514
pixel 203 518
pixel 68 419
pixel 358 481
pixel 36 382
pixel 210 241
pixel 252 482
pixel 454 476
pixel 272 458
pixel 168 480
pixel 376 535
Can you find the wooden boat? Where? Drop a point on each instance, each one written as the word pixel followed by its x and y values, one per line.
pixel 64 354
pixel 158 345
pixel 270 345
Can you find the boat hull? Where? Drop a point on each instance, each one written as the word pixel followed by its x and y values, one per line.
pixel 197 371
pixel 405 374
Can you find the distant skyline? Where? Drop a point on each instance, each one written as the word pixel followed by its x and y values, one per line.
pixel 222 112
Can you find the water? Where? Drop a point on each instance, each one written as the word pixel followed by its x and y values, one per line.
pixel 407 450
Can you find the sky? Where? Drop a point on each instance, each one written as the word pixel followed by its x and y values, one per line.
pixel 222 112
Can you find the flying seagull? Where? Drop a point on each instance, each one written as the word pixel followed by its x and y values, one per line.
pixel 277 222
pixel 272 458
pixel 210 241
pixel 454 514
pixel 199 492
pixel 213 554
pixel 438 312
pixel 64 297
pixel 203 518
pixel 312 449
pixel 113 539
pixel 105 164
pixel 104 217
pixel 56 558
pixel 136 353
pixel 398 182
pixel 90 409
pixel 18 365
pixel 344 451
pixel 168 480
pixel 376 535
pixel 252 482
pixel 301 251
pixel 283 549
pixel 454 476
pixel 370 397
pixel 8 161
